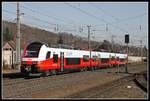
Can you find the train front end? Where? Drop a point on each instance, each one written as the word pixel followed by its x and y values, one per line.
pixel 31 59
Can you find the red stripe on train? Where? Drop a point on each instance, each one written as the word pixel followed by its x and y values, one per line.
pixel 49 64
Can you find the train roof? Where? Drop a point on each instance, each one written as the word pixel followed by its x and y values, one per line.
pixel 81 52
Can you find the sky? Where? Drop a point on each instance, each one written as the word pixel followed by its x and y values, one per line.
pixel 108 20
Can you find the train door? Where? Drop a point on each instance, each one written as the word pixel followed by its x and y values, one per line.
pixel 99 61
pixel 61 61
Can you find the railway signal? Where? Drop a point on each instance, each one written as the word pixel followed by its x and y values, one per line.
pixel 127 38
pixel 127 41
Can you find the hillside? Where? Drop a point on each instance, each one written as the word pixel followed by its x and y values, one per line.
pixel 30 34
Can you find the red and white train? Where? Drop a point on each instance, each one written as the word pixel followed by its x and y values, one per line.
pixel 38 58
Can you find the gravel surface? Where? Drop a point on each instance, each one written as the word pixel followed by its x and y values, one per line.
pixel 68 85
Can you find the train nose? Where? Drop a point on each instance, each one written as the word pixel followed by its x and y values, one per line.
pixel 27 69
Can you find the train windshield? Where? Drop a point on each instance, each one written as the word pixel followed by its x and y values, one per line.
pixel 33 49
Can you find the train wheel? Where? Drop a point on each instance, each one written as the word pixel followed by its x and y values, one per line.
pixel 85 68
pixel 92 69
pixel 53 72
pixel 46 73
pixel 82 69
pixel 88 68
pixel 58 72
pixel 95 67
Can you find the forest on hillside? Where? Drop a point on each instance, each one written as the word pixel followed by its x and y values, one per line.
pixel 30 34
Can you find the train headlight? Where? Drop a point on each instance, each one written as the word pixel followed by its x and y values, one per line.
pixel 28 68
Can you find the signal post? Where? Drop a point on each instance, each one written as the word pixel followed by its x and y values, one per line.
pixel 127 41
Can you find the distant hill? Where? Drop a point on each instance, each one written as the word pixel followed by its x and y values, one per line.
pixel 30 34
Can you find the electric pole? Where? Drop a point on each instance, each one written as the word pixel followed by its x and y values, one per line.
pixel 141 49
pixel 56 28
pixel 112 43
pixel 18 38
pixel 126 68
pixel 141 44
pixel 89 43
pixel 2 47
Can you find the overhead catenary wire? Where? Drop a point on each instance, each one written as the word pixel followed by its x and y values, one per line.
pixel 35 11
pixel 14 13
pixel 36 18
pixel 93 16
pixel 29 16
pixel 41 20
pixel 43 14
pixel 104 11
pixel 133 17
pixel 67 21
pixel 38 25
pixel 125 19
pixel 118 19
pixel 32 17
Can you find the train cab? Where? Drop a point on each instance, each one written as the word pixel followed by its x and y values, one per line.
pixel 32 57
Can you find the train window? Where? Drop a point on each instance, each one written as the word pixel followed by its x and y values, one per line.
pixel 122 60
pixel 95 58
pixel 112 58
pixel 55 58
pixel 33 49
pixel 117 58
pixel 104 60
pixel 85 58
pixel 32 54
pixel 48 55
pixel 72 61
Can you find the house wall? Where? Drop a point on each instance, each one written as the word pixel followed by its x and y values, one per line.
pixel 132 59
pixel 9 58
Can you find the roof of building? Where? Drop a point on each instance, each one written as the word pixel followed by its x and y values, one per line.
pixel 10 43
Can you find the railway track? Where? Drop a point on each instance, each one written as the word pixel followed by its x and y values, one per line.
pixel 140 81
pixel 100 90
pixel 24 88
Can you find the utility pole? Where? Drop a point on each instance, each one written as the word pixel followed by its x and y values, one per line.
pixel 127 51
pixel 112 43
pixel 89 43
pixel 141 44
pixel 56 28
pixel 2 47
pixel 18 38
pixel 141 49
pixel 126 68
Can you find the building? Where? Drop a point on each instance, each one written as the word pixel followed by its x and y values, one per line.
pixel 9 54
